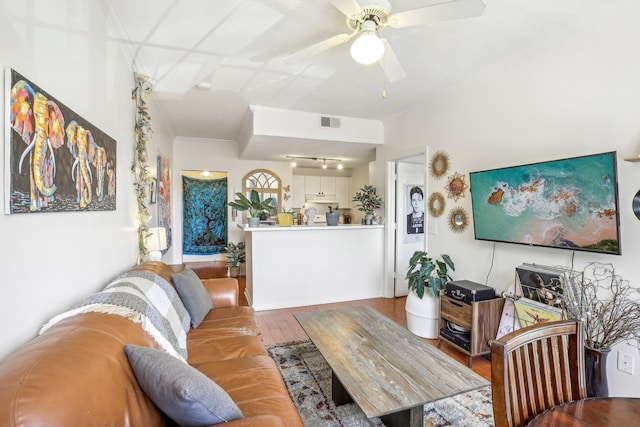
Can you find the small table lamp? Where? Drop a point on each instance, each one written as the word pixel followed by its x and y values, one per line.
pixel 156 242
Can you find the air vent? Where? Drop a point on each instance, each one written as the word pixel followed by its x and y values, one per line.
pixel 329 122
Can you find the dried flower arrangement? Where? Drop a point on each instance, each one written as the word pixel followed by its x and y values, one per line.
pixel 605 302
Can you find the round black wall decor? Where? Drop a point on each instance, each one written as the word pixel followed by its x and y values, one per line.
pixel 636 204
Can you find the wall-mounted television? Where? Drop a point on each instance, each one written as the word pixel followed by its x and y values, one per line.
pixel 568 203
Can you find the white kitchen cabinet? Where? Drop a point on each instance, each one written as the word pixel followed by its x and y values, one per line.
pixel 312 184
pixel 327 185
pixel 343 192
pixel 298 191
pixel 319 185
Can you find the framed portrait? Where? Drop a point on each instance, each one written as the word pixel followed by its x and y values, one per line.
pixel 414 219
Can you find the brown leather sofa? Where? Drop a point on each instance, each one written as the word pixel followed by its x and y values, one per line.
pixel 77 373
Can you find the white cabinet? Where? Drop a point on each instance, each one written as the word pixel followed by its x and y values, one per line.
pixel 318 185
pixel 327 185
pixel 312 184
pixel 343 192
pixel 298 191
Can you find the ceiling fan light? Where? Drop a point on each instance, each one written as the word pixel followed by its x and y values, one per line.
pixel 367 48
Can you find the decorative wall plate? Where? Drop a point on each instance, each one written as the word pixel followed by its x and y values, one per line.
pixel 439 164
pixel 458 220
pixel 436 204
pixel 456 186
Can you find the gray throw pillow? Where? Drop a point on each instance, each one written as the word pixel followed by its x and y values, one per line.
pixel 193 295
pixel 183 393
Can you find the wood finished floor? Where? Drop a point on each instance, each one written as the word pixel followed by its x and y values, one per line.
pixel 279 326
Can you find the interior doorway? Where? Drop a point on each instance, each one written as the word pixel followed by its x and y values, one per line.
pixel 406 207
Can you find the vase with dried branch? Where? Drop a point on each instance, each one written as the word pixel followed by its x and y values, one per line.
pixel 607 305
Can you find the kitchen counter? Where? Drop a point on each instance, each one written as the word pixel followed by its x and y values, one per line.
pixel 307 265
pixel 264 227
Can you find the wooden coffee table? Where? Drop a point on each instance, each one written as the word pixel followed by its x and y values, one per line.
pixel 385 369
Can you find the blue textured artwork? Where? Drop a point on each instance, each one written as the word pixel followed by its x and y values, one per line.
pixel 205 216
pixel 568 203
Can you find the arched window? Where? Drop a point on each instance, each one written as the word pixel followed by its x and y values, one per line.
pixel 267 184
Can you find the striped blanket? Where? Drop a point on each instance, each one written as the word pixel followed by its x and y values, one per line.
pixel 145 298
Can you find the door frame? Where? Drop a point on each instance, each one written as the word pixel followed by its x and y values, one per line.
pixel 390 214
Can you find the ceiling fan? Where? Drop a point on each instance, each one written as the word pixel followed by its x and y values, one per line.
pixel 365 18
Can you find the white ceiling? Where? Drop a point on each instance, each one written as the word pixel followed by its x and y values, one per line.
pixel 238 46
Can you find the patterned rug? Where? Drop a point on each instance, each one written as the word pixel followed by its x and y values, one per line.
pixel 308 378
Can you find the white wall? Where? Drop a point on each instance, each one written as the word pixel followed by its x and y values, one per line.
pixel 212 155
pixel 576 94
pixel 51 260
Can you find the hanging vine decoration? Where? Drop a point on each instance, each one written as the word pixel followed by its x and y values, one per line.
pixel 141 178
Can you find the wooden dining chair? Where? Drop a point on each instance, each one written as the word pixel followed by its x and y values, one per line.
pixel 536 368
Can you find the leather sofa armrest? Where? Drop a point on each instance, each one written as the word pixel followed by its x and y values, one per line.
pixel 223 291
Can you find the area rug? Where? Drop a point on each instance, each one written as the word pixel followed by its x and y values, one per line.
pixel 308 378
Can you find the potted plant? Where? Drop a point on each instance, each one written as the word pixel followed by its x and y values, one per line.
pixel 332 216
pixel 368 202
pixel 235 256
pixel 285 218
pixel 607 305
pixel 427 277
pixel 253 205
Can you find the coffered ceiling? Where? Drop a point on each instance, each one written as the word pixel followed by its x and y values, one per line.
pixel 236 49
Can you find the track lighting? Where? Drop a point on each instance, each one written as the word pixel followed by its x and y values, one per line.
pixel 323 159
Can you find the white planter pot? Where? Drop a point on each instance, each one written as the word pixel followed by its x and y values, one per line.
pixel 423 315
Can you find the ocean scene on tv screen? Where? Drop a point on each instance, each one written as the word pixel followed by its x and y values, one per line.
pixel 568 203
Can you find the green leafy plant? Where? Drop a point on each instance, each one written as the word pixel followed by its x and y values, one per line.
pixel 331 209
pixel 368 200
pixel 253 204
pixel 236 254
pixel 428 273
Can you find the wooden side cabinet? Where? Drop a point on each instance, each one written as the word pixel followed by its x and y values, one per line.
pixel 481 318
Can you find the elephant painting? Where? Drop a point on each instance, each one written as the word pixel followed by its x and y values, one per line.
pixel 100 163
pixel 83 147
pixel 40 124
pixel 111 183
pixel 44 177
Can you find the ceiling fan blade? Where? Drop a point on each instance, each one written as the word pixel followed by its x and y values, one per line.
pixel 317 48
pixel 454 9
pixel 390 64
pixel 348 7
